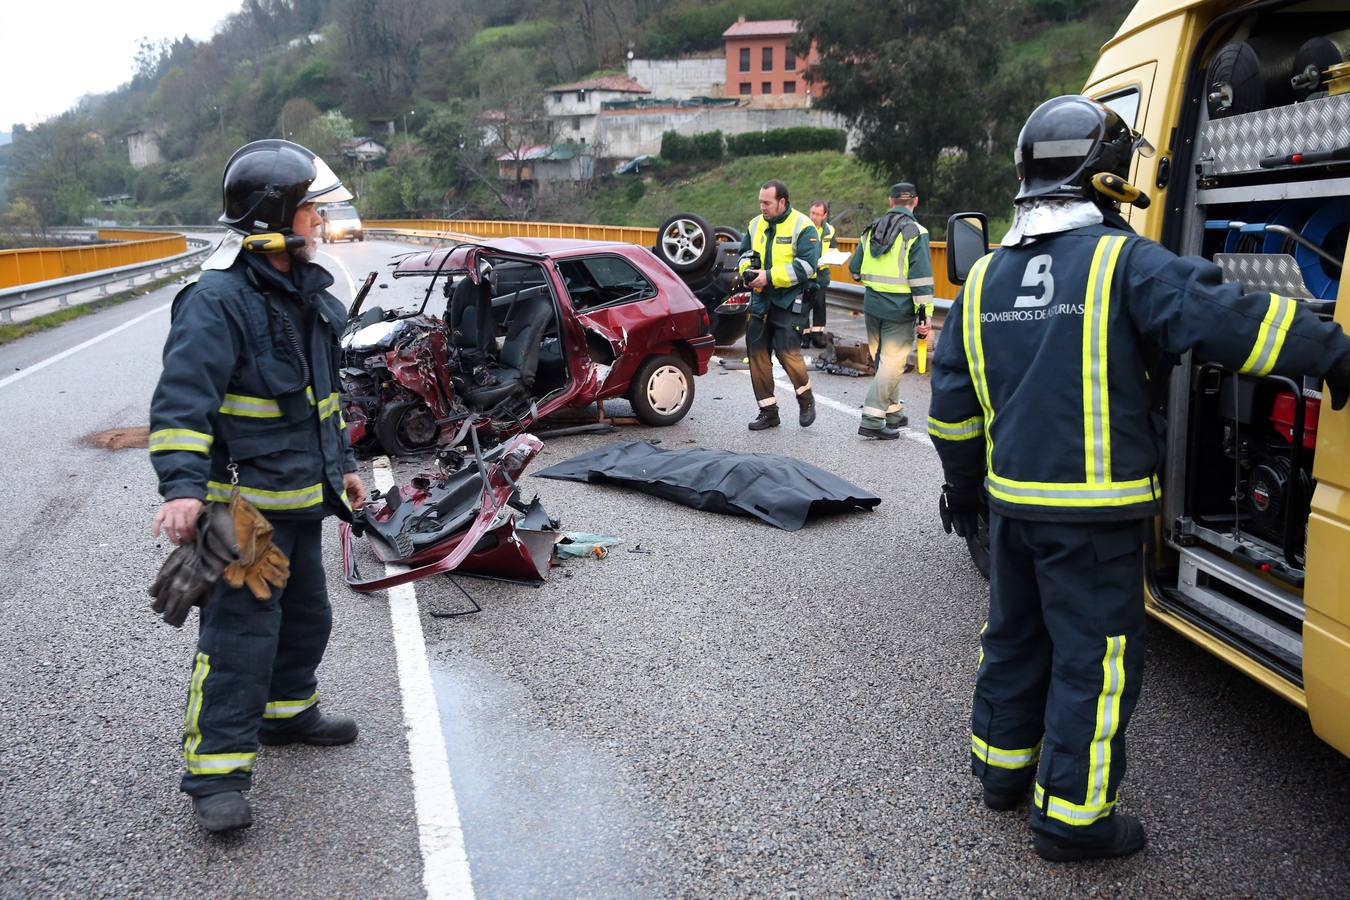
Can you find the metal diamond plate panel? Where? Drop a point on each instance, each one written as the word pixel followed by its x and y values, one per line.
pixel 1237 143
pixel 1276 272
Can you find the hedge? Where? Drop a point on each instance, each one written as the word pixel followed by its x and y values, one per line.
pixel 695 148
pixel 786 140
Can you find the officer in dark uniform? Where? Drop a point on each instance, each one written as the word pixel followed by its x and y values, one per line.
pixel 1040 390
pixel 248 399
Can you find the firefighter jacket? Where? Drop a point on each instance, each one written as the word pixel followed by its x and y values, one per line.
pixel 1040 383
pixel 822 276
pixel 789 248
pixel 896 276
pixel 250 378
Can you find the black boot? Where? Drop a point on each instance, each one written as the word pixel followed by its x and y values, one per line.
pixel 767 418
pixel 226 811
pixel 882 433
pixel 806 408
pixel 321 731
pixel 1129 837
pixel 1000 802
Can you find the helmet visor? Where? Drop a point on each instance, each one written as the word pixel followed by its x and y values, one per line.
pixel 326 186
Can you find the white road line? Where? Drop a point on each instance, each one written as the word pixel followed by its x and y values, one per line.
pixel 855 411
pixel 52 360
pixel 445 862
pixel 351 285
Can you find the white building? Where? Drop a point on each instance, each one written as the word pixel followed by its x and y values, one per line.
pixel 691 76
pixel 143 146
pixel 573 108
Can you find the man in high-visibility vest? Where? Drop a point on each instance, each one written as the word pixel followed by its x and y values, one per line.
pixel 814 334
pixel 779 253
pixel 893 264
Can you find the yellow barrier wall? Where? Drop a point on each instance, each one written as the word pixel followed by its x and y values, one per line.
pixel 45 263
pixel 646 237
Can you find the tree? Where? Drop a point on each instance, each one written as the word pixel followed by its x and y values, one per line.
pixel 922 84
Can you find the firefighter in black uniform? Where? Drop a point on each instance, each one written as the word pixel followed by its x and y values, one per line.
pixel 1040 391
pixel 248 400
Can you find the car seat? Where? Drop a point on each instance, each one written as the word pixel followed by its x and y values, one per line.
pixel 470 318
pixel 518 359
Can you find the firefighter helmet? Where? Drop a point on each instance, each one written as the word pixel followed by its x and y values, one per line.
pixel 265 182
pixel 1068 140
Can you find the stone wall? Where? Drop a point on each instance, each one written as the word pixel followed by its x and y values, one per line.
pixel 623 134
pixel 680 79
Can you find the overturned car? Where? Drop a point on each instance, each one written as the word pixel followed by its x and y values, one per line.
pixel 527 327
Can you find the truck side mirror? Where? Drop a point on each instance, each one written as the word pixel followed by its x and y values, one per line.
pixel 967 241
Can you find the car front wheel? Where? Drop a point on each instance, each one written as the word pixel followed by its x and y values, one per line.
pixel 663 390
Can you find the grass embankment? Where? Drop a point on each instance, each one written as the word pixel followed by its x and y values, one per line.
pixel 12 331
pixel 727 194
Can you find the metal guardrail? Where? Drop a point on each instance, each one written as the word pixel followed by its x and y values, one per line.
pixel 61 288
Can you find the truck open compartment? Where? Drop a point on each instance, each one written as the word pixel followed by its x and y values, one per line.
pixel 1267 198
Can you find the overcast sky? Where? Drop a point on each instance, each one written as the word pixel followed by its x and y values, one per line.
pixel 55 54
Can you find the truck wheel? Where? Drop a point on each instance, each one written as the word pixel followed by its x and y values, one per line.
pixel 406 426
pixel 686 243
pixel 729 329
pixel 662 391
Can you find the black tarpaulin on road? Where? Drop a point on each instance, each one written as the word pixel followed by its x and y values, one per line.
pixel 780 490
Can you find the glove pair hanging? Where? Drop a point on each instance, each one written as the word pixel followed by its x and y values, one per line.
pixel 234 542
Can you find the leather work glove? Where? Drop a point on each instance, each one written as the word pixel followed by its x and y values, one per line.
pixel 959 508
pixel 260 565
pixel 192 570
pixel 1338 382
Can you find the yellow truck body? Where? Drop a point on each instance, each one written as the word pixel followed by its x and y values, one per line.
pixel 1169 70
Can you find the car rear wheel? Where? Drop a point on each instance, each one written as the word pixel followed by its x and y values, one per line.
pixel 406 426
pixel 686 243
pixel 663 390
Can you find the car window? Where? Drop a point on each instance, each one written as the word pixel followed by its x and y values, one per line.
pixel 342 213
pixel 604 280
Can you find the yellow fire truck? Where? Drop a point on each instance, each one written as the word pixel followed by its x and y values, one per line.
pixel 1248 105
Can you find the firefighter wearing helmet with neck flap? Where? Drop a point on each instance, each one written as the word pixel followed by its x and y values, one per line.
pixel 1046 391
pixel 246 417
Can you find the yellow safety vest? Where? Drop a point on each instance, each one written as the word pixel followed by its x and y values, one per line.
pixel 826 245
pixel 889 273
pixel 782 275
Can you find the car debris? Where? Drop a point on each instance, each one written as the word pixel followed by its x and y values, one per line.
pixel 468 517
pixel 780 490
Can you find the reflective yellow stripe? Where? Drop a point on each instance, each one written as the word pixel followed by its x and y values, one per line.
pixel 1004 759
pixel 328 405
pixel 1096 389
pixel 983 628
pixel 970 323
pixel 287 709
pixel 1048 493
pixel 219 763
pixel 1095 805
pixel 219 492
pixel 250 407
pixel 964 430
pixel 180 439
pixel 192 734
pixel 1270 337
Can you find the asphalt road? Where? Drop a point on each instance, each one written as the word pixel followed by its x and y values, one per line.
pixel 740 712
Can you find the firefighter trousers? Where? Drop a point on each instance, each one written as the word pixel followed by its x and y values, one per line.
pixel 255 666
pixel 765 339
pixel 1061 665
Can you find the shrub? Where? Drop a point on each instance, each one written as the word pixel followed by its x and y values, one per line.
pixel 694 148
pixel 786 140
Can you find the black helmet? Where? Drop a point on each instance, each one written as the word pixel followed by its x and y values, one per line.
pixel 1069 139
pixel 265 182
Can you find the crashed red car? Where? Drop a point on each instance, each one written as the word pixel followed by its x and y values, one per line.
pixel 572 322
